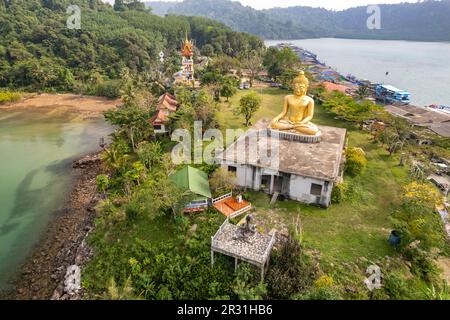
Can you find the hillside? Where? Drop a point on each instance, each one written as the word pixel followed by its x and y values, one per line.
pixel 39 52
pixel 424 21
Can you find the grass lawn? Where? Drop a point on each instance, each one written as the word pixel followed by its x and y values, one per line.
pixel 347 231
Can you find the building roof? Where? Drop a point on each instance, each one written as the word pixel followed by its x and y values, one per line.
pixel 315 160
pixel 167 102
pixel 193 180
pixel 159 118
pixel 437 121
pixel 442 129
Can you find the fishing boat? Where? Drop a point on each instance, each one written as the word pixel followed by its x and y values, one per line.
pixel 391 94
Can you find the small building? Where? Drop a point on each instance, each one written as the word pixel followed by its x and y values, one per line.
pixel 196 183
pixel 167 105
pixel 437 122
pixel 159 122
pixel 306 172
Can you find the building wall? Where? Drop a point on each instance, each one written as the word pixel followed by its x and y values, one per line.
pixel 300 190
pixel 297 188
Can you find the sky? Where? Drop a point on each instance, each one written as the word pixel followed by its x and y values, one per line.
pixel 329 4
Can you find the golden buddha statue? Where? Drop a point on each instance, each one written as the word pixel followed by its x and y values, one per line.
pixel 298 110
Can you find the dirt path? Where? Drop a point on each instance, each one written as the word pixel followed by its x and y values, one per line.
pixel 88 106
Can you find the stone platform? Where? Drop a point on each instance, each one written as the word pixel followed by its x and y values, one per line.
pixel 295 136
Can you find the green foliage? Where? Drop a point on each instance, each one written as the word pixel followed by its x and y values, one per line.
pixel 252 62
pixel 355 161
pixel 207 50
pixel 116 156
pixel 248 106
pixel 9 96
pixel 119 293
pixel 395 285
pixel 229 87
pixel 222 182
pixel 339 192
pixel 38 51
pixel 291 271
pixel 423 263
pixel 281 63
pixel 416 219
pixel 320 294
pixel 132 121
pixel 195 106
pixel 109 89
pixel 246 285
pixel 442 293
pixel 347 108
pixel 102 183
pixel 150 153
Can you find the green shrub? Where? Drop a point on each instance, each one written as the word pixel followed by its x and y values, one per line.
pixel 395 285
pixel 422 264
pixel 320 294
pixel 291 272
pixel 132 211
pixel 109 89
pixel 9 96
pixel 340 192
pixel 356 161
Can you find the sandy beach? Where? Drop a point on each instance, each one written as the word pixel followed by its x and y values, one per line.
pixel 86 106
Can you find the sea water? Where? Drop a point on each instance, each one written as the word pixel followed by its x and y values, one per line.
pixel 36 153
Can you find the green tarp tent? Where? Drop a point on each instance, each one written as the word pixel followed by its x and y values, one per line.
pixel 193 180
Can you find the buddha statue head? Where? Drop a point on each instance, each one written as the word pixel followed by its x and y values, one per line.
pixel 300 84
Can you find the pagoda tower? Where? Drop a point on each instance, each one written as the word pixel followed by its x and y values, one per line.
pixel 187 65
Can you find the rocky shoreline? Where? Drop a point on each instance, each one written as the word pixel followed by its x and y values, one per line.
pixel 52 269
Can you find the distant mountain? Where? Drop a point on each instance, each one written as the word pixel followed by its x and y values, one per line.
pixel 422 21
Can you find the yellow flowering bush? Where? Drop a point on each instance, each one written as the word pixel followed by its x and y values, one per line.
pixel 422 194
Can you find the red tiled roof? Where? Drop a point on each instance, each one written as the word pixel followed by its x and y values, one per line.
pixel 158 118
pixel 168 102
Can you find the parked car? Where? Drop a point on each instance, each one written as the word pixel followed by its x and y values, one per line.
pixel 244 86
pixel 275 85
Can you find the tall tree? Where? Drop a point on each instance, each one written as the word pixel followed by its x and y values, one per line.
pixel 252 61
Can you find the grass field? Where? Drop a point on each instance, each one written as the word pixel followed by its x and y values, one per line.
pixel 346 231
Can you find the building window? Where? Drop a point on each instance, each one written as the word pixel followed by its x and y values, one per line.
pixel 157 127
pixel 316 189
pixel 232 169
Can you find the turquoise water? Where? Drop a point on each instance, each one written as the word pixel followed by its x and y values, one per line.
pixel 36 152
pixel 421 68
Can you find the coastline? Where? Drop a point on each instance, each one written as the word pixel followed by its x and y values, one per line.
pixel 63 244
pixel 84 107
